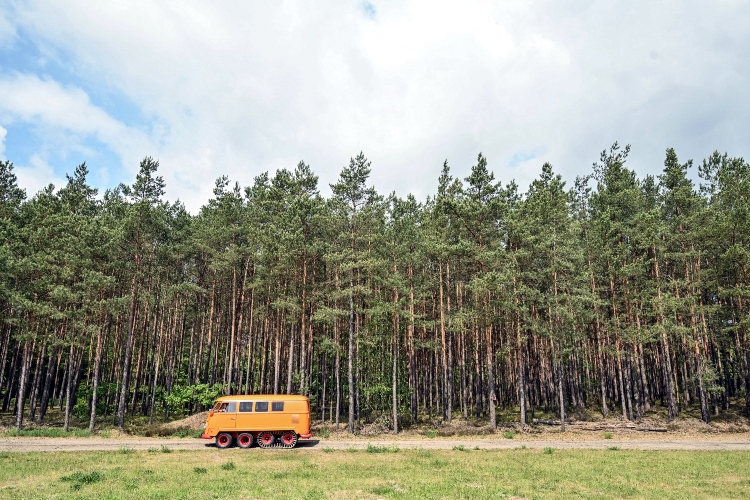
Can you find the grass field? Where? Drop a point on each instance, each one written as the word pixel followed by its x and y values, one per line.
pixel 377 472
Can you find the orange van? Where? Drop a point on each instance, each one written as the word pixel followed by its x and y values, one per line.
pixel 270 420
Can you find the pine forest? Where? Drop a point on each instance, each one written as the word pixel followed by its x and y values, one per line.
pixel 487 301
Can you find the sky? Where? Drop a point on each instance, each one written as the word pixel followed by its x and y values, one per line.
pixel 241 88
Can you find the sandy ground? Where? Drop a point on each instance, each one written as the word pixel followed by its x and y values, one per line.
pixel 736 442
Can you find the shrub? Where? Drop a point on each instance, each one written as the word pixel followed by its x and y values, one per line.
pixel 508 434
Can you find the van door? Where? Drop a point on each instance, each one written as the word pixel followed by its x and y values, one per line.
pixel 226 417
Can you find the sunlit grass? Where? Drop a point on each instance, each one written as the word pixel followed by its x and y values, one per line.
pixel 406 474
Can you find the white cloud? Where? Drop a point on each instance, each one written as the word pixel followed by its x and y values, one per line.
pixel 3 133
pixel 67 110
pixel 37 176
pixel 240 88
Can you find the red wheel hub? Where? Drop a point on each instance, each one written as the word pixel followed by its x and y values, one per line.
pixel 287 438
pixel 266 438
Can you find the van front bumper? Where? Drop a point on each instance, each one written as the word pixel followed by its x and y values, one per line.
pixel 305 436
pixel 206 436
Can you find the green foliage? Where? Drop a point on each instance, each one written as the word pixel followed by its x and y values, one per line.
pixel 227 466
pixel 509 434
pixel 182 396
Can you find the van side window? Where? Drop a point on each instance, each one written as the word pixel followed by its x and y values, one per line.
pixel 261 406
pixel 246 406
pixel 231 408
pixel 277 406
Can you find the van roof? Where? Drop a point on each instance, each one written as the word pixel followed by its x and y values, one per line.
pixel 263 397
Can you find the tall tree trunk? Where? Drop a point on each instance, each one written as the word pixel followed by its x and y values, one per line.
pixel 410 358
pixel 28 349
pixel 128 355
pixel 490 368
pixel 443 351
pixel 561 391
pixel 232 329
pixel 290 361
pixel 351 358
pixel 394 358
pixel 520 357
pixel 97 367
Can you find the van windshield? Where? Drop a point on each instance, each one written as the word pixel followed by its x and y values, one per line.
pixel 225 407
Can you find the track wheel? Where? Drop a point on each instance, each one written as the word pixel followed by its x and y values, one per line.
pixel 245 440
pixel 288 439
pixel 266 439
pixel 224 440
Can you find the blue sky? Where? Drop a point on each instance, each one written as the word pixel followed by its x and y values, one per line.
pixel 240 88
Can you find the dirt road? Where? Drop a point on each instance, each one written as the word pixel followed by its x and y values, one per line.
pixel 723 443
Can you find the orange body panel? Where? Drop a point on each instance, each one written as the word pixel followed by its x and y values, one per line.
pixel 236 414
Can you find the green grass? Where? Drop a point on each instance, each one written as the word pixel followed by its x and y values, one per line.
pixel 381 449
pixel 529 473
pixel 46 432
pixel 509 434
